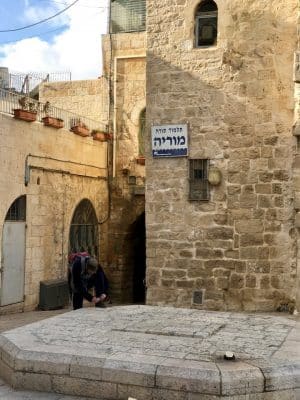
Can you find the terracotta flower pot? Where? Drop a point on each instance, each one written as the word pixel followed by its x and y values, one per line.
pixel 25 115
pixel 101 136
pixel 80 130
pixel 56 123
pixel 140 160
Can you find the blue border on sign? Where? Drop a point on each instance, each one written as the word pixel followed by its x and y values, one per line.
pixel 170 153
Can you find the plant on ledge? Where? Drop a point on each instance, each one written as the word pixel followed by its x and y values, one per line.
pixel 48 120
pixel 80 128
pixel 101 136
pixel 28 110
pixel 140 160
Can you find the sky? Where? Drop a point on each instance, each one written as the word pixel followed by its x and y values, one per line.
pixel 70 42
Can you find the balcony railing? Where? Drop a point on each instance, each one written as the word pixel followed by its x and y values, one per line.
pixel 10 101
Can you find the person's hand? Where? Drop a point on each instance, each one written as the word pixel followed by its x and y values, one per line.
pixel 95 300
pixel 102 297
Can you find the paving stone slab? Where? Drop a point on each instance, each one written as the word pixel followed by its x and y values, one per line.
pixel 152 353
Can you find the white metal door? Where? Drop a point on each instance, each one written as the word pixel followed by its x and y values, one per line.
pixel 13 263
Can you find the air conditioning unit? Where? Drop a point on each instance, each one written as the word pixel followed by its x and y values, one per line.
pixel 54 294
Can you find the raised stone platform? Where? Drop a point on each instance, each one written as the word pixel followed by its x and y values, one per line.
pixel 156 353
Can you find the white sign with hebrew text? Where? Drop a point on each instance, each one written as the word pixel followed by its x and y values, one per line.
pixel 169 140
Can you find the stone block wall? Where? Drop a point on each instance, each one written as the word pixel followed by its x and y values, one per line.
pixel 88 98
pixel 239 248
pixel 64 169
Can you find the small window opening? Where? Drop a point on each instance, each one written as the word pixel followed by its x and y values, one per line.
pixel 198 179
pixel 206 24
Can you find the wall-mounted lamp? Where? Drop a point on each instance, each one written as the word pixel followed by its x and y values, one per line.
pixel 214 176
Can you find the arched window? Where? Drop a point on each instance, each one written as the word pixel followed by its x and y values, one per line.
pixel 17 211
pixel 84 229
pixel 206 24
pixel 142 132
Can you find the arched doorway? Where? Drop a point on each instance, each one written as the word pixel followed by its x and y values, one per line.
pixel 139 260
pixel 13 253
pixel 84 229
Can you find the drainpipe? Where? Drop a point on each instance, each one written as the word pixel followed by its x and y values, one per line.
pixel 115 119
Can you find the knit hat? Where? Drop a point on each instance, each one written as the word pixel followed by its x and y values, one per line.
pixel 92 263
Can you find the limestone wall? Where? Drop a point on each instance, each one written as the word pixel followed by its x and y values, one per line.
pixel 88 98
pixel 239 248
pixel 64 169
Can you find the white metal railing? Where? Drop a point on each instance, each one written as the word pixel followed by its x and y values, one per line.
pixel 10 101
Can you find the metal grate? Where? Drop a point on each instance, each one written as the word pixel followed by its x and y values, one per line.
pixel 84 229
pixel 198 177
pixel 128 16
pixel 17 211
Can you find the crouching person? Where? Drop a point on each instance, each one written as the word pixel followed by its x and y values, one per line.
pixel 82 279
pixel 100 283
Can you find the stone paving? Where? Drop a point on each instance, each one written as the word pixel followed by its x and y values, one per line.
pixel 156 353
pixel 11 321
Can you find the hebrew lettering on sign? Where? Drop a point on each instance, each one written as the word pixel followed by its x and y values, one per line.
pixel 169 141
pixel 157 140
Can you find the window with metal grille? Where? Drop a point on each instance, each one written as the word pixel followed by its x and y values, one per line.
pixel 206 24
pixel 84 229
pixel 127 16
pixel 199 187
pixel 17 211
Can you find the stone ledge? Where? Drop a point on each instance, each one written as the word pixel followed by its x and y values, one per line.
pixel 119 363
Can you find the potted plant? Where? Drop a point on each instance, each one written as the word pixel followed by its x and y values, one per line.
pixel 80 129
pixel 48 120
pixel 101 136
pixel 28 110
pixel 140 160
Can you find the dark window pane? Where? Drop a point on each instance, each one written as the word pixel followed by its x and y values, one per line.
pixel 199 188
pixel 207 6
pixel 84 229
pixel 198 174
pixel 206 24
pixel 207 31
pixel 17 211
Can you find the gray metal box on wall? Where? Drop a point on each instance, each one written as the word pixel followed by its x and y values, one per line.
pixel 54 294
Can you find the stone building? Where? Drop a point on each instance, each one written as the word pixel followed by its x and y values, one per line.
pixel 222 193
pixel 222 220
pixel 54 198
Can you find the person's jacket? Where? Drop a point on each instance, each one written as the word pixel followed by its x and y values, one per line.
pixel 99 282
pixel 80 280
